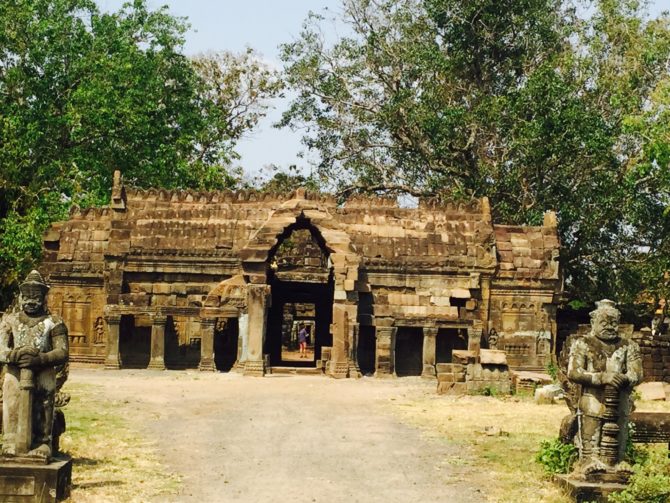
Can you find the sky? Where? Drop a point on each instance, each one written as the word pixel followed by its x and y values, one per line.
pixel 233 25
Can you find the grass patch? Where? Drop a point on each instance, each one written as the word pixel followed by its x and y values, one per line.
pixel 502 437
pixel 112 462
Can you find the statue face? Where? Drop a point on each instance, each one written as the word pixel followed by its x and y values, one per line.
pixel 32 301
pixel 606 327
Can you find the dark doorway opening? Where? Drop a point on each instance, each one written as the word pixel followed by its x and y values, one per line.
pixel 367 348
pixel 302 285
pixel 226 337
pixel 409 351
pixel 449 339
pixel 134 343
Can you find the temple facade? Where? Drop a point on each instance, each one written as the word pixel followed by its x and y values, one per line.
pixel 228 280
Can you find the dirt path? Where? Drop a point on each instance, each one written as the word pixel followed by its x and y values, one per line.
pixel 288 438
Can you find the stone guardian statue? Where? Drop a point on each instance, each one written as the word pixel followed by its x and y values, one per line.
pixel 602 369
pixel 33 347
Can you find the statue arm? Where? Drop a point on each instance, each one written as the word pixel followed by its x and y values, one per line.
pixel 5 341
pixel 59 342
pixel 577 366
pixel 634 372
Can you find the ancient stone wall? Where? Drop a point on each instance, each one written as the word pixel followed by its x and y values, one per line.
pixel 160 267
pixel 655 351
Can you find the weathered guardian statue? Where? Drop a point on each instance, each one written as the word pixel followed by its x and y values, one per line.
pixel 33 345
pixel 602 369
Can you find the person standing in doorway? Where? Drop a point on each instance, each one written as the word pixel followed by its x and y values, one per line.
pixel 302 339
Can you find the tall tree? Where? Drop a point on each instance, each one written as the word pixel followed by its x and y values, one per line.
pixel 83 93
pixel 522 101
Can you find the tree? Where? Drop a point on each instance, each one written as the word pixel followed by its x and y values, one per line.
pixel 521 101
pixel 83 93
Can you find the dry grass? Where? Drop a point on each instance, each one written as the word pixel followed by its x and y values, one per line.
pixel 112 463
pixel 508 457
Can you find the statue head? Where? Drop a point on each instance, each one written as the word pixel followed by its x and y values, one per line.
pixel 33 293
pixel 605 321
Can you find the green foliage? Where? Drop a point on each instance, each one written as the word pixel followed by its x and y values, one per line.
pixel 556 457
pixel 552 370
pixel 523 102
pixel 650 482
pixel 83 93
pixel 489 391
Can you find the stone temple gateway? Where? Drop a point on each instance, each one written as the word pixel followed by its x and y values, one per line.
pixel 184 279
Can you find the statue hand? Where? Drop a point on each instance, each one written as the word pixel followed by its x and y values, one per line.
pixel 615 379
pixel 28 360
pixel 26 350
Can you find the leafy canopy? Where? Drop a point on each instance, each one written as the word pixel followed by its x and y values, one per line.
pixel 526 102
pixel 83 93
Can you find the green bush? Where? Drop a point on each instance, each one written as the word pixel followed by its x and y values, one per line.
pixel 650 482
pixel 555 456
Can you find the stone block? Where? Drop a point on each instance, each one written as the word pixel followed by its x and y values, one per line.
pixel 651 391
pixel 34 483
pixel 446 377
pixel 463 356
pixel 449 367
pixel 493 357
pixel 451 388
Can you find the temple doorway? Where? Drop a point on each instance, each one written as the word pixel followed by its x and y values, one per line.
pixel 302 287
pixel 448 340
pixel 409 351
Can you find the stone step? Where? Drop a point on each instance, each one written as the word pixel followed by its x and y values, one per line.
pixel 449 367
pixel 296 370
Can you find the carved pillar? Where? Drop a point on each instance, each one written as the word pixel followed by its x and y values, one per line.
pixel 113 360
pixel 385 354
pixel 429 343
pixel 207 326
pixel 486 303
pixel 157 360
pixel 338 365
pixel 242 340
pixel 474 338
pixel 258 302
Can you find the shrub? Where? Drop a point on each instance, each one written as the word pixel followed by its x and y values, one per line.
pixel 650 482
pixel 555 456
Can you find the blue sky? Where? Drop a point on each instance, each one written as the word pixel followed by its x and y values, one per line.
pixel 262 24
pixel 234 25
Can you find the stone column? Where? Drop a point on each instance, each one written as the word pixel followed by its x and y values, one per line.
pixel 157 359
pixel 474 338
pixel 242 340
pixel 258 302
pixel 385 354
pixel 207 326
pixel 339 366
pixel 429 342
pixel 113 360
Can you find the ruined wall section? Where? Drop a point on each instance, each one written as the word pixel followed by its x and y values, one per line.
pixel 74 263
pixel 524 293
pixel 421 266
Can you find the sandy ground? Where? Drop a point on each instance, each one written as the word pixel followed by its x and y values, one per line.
pixel 289 438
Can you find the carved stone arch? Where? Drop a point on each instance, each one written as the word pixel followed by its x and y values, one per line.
pixel 301 213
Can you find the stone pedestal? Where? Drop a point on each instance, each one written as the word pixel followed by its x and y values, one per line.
pixel 157 360
pixel 113 360
pixel 339 364
pixel 582 491
pixel 258 301
pixel 385 354
pixel 207 326
pixel 429 343
pixel 36 483
pixel 242 341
